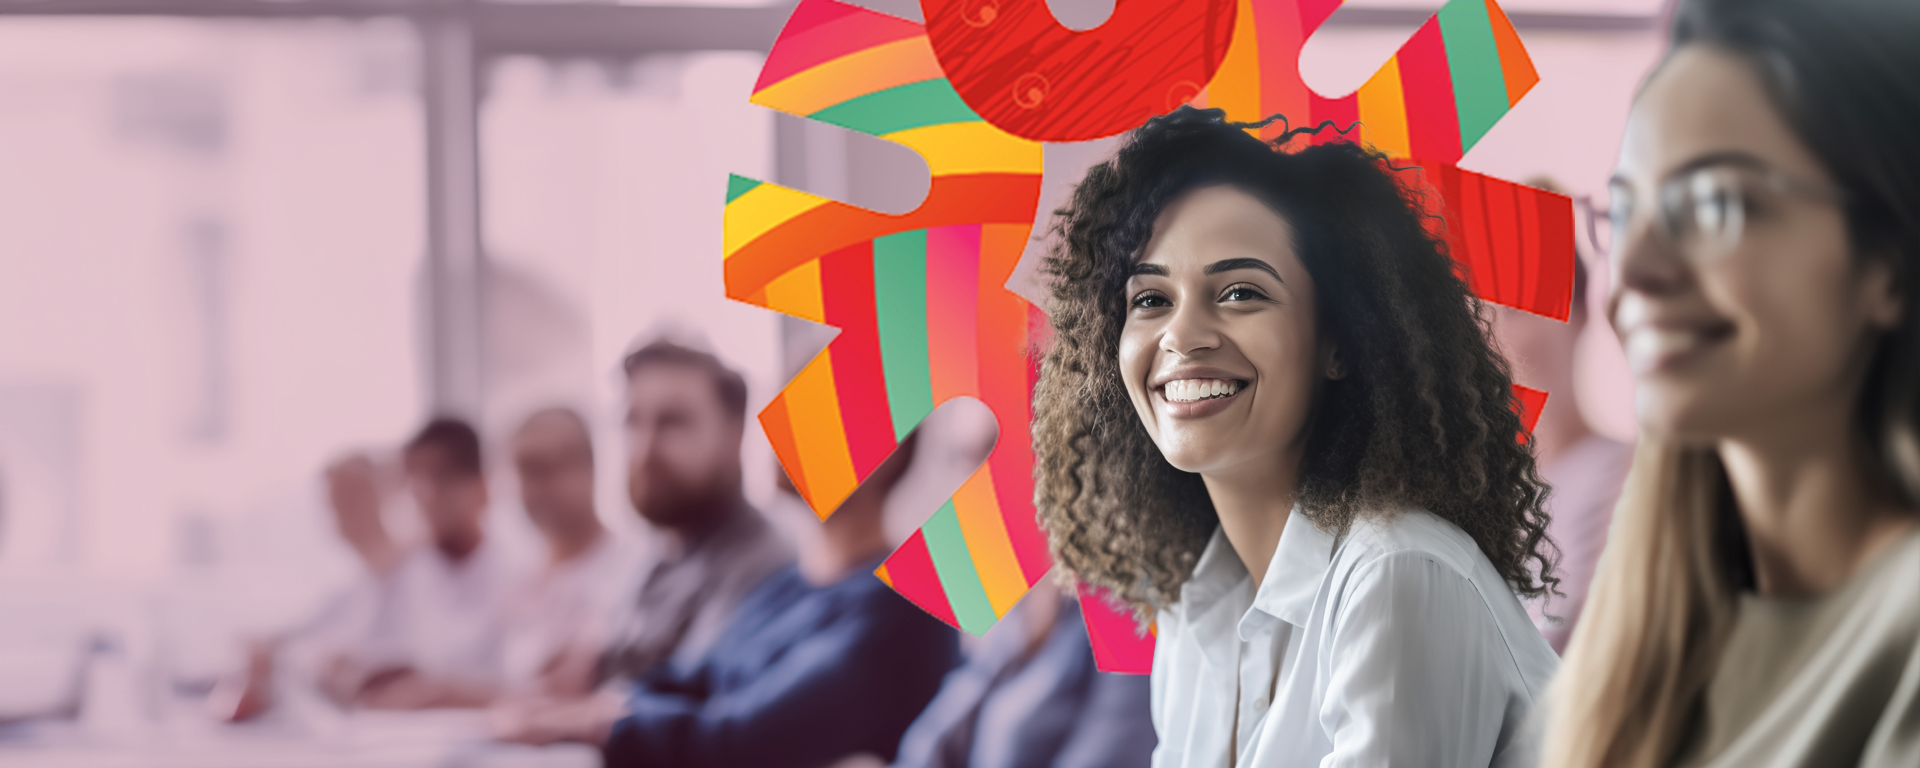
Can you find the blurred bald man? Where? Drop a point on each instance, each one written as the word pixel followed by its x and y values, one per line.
pixel 569 602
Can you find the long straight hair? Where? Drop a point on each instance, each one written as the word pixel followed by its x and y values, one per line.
pixel 1846 76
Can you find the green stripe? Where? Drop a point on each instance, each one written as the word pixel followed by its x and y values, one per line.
pixel 914 105
pixel 950 559
pixel 739 185
pixel 1479 85
pixel 900 312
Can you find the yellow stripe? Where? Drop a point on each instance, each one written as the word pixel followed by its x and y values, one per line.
pixel 986 535
pixel 798 293
pixel 854 75
pixel 1383 112
pixel 818 436
pixel 761 209
pixel 1236 86
pixel 974 147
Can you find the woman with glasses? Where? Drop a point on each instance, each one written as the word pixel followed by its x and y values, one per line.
pixel 1759 602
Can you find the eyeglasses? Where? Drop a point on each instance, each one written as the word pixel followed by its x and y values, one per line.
pixel 1703 213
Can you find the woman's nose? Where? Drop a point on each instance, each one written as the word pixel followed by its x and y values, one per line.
pixel 1645 261
pixel 1192 328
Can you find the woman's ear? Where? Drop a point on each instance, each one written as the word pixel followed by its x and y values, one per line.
pixel 1880 292
pixel 1336 368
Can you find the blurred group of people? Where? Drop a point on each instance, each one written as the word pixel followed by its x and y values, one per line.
pixel 716 641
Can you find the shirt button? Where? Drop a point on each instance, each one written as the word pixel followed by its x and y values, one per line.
pixel 1260 703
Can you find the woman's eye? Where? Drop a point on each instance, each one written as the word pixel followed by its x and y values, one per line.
pixel 1242 293
pixel 1150 301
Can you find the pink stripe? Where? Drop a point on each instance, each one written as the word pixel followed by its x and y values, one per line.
pixel 1005 388
pixel 855 32
pixel 1117 643
pixel 911 569
pixel 1281 89
pixel 953 289
pixel 813 13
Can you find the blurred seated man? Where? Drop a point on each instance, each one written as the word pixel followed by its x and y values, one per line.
pixel 436 622
pixel 686 418
pixel 1584 468
pixel 587 570
pixel 1029 696
pixel 821 662
pixel 423 626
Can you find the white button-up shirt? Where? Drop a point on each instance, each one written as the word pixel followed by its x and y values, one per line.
pixel 1399 645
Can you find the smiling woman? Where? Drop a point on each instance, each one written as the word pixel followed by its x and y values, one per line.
pixel 1269 419
pixel 1759 604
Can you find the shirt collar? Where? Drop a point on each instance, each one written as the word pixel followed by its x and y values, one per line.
pixel 1215 597
pixel 1299 564
pixel 1215 574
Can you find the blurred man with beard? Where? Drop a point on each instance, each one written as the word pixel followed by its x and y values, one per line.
pixel 686 416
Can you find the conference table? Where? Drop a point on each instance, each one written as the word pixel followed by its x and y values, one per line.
pixel 429 739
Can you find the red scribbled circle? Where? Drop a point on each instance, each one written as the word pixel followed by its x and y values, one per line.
pixel 1030 90
pixel 1180 93
pixel 982 14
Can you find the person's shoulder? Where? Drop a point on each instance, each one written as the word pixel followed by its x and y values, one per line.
pixel 750 538
pixel 1408 533
pixel 865 587
pixel 417 561
pixel 1891 584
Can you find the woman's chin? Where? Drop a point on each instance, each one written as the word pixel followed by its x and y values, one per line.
pixel 1196 459
pixel 1686 421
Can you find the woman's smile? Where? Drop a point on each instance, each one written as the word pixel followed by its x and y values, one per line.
pixel 1191 391
pixel 1192 398
pixel 1655 340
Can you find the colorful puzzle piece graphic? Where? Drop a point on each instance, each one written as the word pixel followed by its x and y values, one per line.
pixel 920 297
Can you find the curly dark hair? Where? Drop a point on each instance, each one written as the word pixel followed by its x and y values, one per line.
pixel 1425 417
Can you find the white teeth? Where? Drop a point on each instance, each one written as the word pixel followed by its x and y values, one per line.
pixel 1194 390
pixel 1646 347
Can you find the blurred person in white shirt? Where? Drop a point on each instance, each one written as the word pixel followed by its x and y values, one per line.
pixel 570 601
pixel 424 627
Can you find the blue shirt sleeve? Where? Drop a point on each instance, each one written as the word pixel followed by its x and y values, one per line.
pixel 852 685
pixel 1113 729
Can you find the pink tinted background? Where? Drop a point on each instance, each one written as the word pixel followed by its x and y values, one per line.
pixel 212 280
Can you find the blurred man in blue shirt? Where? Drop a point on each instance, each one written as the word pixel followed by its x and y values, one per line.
pixel 822 661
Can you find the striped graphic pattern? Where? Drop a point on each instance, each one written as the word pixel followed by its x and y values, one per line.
pixel 1432 101
pixel 918 299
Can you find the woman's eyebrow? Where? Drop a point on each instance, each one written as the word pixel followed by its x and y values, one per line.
pixel 1734 158
pixel 1228 265
pixel 1148 269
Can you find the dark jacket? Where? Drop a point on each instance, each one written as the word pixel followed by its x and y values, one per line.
pixel 801 677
